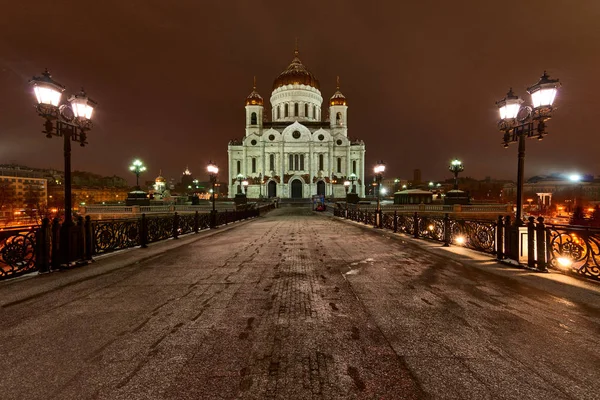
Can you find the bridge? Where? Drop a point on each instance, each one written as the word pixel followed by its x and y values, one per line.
pixel 289 303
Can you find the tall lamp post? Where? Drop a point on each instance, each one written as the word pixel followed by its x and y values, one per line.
pixel 239 178
pixel 70 119
pixel 456 167
pixel 213 172
pixel 379 170
pixel 519 122
pixel 245 187
pixel 352 185
pixel 260 182
pixel 137 167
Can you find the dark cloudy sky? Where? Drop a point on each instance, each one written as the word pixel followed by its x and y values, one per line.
pixel 421 77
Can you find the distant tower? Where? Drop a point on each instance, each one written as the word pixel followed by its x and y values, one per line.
pixel 254 111
pixel 338 111
pixel 417 176
pixel 187 178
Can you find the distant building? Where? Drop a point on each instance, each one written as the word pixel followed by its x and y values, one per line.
pixel 416 177
pixel 21 192
pixel 299 153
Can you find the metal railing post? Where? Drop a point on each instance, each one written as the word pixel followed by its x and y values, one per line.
pixel 175 226
pixel 531 243
pixel 80 250
pixel 143 231
pixel 416 226
pixel 541 245
pixel 42 250
pixel 508 248
pixel 500 238
pixel 446 230
pixel 89 238
pixel 55 256
pixel 196 222
pixel 395 221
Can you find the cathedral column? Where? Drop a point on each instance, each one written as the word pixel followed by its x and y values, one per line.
pixel 362 172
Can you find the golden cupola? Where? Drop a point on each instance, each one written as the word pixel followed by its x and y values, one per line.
pixel 254 99
pixel 338 99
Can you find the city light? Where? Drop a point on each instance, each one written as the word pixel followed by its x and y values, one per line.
pixel 564 262
pixel 460 240
pixel 575 178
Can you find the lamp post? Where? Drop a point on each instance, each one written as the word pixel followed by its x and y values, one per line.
pixel 213 172
pixel 352 180
pixel 239 178
pixel 379 170
pixel 70 119
pixel 456 167
pixel 245 186
pixel 333 182
pixel 137 167
pixel 260 182
pixel 519 122
pixel 346 186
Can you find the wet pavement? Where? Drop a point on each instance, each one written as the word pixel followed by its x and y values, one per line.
pixel 297 305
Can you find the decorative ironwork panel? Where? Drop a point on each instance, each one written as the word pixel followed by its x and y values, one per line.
pixel 159 228
pixel 222 218
pixel 17 252
pixel 204 221
pixel 388 221
pixel 186 223
pixel 116 234
pixel 431 227
pixel 406 223
pixel 574 249
pixel 473 234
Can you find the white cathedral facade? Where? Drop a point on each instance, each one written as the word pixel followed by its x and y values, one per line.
pixel 296 154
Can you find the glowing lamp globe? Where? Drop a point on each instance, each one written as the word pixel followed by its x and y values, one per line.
pixel 212 169
pixel 509 106
pixel 47 91
pixel 82 106
pixel 544 92
pixel 245 183
pixel 346 183
pixel 379 168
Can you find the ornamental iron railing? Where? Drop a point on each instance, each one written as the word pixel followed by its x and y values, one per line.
pixel 30 249
pixel 532 244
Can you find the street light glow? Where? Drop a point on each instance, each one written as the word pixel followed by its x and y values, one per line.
pixel 575 178
pixel 564 262
pixel 509 106
pixel 543 93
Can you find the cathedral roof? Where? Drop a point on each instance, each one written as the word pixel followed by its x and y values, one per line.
pixel 296 74
pixel 159 178
pixel 338 99
pixel 254 99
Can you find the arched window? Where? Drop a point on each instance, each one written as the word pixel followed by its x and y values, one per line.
pixel 253 165
pixel 285 110
pixel 306 110
pixel 239 167
pixel 278 112
pixel 339 164
pixel 253 119
pixel 296 111
pixel 338 118
pixel 315 112
pixel 321 162
pixel 301 162
pixel 354 166
pixel 291 162
pixel 272 162
pixel 296 162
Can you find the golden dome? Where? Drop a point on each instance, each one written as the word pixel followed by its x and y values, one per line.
pixel 296 74
pixel 338 99
pixel 254 99
pixel 159 178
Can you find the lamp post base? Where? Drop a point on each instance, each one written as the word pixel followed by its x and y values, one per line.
pixel 70 244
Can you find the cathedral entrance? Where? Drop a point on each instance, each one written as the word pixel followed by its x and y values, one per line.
pixel 321 188
pixel 272 189
pixel 296 189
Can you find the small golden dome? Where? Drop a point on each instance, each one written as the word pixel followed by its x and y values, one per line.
pixel 338 99
pixel 254 99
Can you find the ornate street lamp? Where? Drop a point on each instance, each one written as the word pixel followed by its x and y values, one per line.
pixel 353 178
pixel 346 186
pixel 379 170
pixel 70 119
pixel 245 186
pixel 456 167
pixel 213 172
pixel 260 182
pixel 519 122
pixel 137 167
pixel 239 178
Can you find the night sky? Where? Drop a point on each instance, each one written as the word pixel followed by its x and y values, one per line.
pixel 421 78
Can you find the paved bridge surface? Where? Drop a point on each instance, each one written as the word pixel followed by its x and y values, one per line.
pixel 297 305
